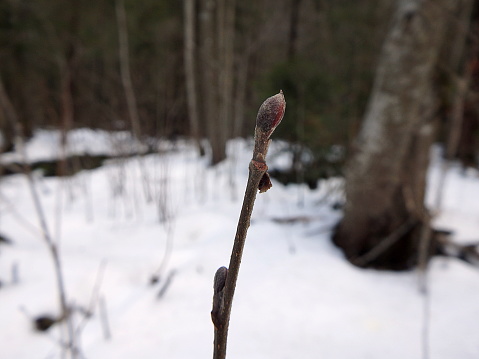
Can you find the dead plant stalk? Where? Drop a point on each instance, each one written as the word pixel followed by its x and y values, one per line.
pixel 69 346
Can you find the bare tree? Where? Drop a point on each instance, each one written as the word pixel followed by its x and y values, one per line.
pixel 386 176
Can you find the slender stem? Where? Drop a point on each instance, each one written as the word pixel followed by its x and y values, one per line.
pixel 53 248
pixel 269 116
pixel 12 117
pixel 256 172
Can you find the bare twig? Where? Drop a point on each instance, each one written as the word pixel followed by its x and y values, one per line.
pixel 6 105
pixel 166 284
pixel 54 252
pixel 269 116
pixel 169 227
pixel 94 299
pixel 127 82
pixel 104 319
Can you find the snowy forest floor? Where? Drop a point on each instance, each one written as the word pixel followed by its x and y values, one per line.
pixel 296 297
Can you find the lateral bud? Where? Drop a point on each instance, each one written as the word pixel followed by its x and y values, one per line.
pixel 218 292
pixel 264 183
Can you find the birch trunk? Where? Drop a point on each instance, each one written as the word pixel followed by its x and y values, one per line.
pixel 385 179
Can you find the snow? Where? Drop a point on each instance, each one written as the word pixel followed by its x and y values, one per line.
pixel 296 296
pixel 45 144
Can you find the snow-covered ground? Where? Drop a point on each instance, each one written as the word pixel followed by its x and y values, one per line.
pixel 296 296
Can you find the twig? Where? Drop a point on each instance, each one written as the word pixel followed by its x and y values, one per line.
pixel 95 297
pixel 166 284
pixel 15 271
pixel 126 79
pixel 19 217
pixel 7 106
pixel 269 116
pixel 54 252
pixel 155 278
pixel 104 318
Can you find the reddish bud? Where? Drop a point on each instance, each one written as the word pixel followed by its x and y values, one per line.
pixel 271 113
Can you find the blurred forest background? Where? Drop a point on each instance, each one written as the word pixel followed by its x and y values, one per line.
pixel 200 68
pixel 127 65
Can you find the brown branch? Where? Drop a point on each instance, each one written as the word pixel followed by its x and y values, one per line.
pixel 269 116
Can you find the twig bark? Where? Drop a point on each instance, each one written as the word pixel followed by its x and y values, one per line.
pixel 269 116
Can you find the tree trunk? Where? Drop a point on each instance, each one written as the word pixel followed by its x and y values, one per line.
pixel 385 178
pixel 124 57
pixel 190 69
pixel 463 141
pixel 216 70
pixel 460 55
pixel 7 111
pixel 8 120
pixel 240 93
pixel 208 73
pixel 67 108
pixel 293 30
pixel 225 31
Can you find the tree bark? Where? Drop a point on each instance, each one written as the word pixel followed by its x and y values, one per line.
pixel 190 68
pixel 124 58
pixel 293 30
pixel 216 69
pixel 8 116
pixel 385 178
pixel 66 106
pixel 226 33
pixel 208 73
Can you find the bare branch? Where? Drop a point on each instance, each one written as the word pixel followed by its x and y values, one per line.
pixel 269 116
